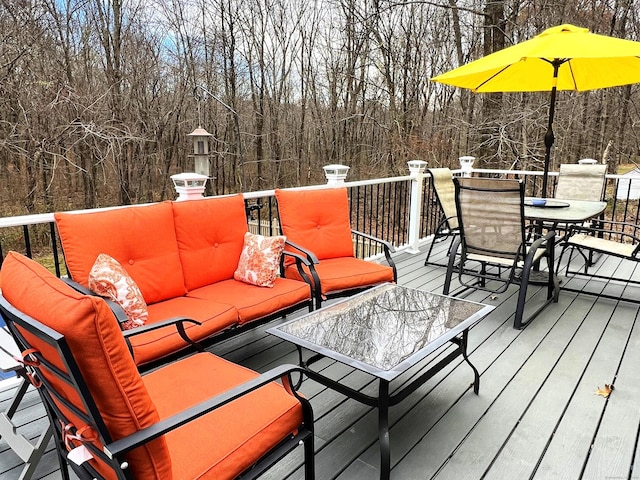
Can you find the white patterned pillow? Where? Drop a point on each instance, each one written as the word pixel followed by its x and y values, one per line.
pixel 260 260
pixel 108 279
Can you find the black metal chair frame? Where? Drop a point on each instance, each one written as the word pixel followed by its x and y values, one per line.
pixel 518 265
pixel 115 451
pixel 603 231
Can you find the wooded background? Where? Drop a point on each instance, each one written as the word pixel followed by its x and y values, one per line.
pixel 97 96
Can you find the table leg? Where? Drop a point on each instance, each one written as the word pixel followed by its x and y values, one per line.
pixel 476 375
pixel 383 430
pixel 303 365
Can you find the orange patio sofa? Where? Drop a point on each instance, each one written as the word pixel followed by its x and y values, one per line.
pixel 182 256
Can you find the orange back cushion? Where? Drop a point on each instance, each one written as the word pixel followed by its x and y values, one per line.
pixel 141 238
pixel 96 342
pixel 317 220
pixel 210 234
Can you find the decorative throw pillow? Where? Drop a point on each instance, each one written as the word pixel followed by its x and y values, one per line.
pixel 108 279
pixel 259 260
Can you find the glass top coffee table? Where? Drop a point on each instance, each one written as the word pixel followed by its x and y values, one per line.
pixel 385 331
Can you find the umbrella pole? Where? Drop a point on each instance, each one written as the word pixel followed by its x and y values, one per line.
pixel 549 137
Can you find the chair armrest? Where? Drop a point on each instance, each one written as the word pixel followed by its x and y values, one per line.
pixel 122 317
pixel 310 256
pixel 543 241
pixel 620 229
pixel 612 231
pixel 304 260
pixel 308 259
pixel 178 322
pixel 126 444
pixel 115 307
pixel 387 247
pixel 446 221
pixel 384 243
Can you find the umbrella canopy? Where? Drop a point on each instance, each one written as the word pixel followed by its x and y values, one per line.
pixel 565 57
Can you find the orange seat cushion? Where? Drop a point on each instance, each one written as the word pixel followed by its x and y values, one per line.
pixel 141 238
pixel 93 335
pixel 317 220
pixel 210 235
pixel 338 274
pixel 254 302
pixel 227 441
pixel 215 317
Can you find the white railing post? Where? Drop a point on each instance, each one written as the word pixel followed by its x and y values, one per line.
pixel 335 174
pixel 416 170
pixel 466 165
pixel 189 186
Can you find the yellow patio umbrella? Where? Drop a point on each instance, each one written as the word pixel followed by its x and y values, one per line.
pixel 564 57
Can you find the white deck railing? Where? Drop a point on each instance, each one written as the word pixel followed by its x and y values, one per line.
pixel 401 210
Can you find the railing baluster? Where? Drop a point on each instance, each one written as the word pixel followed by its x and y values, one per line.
pixel 54 248
pixel 27 240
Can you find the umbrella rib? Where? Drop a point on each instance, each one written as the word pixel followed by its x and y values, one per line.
pixel 491 77
pixel 573 78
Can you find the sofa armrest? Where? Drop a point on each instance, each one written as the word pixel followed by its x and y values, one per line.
pixel 141 437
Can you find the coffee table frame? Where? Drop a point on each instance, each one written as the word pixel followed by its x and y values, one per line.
pixel 384 400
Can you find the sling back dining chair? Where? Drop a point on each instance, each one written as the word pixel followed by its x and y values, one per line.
pixel 199 417
pixel 442 183
pixel 609 238
pixel 580 182
pixel 317 224
pixel 493 251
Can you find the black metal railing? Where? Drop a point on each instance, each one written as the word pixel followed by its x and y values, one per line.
pixel 380 208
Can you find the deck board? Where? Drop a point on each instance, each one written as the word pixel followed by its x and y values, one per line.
pixel 614 444
pixel 536 415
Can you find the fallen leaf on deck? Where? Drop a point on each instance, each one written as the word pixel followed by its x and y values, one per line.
pixel 494 297
pixel 604 392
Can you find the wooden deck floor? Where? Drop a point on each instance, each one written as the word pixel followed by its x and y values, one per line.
pixel 536 416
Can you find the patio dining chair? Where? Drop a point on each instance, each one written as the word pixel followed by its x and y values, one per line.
pixel 609 238
pixel 442 183
pixel 199 417
pixel 580 182
pixel 491 251
pixel 317 224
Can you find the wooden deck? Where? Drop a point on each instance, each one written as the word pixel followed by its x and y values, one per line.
pixel 536 416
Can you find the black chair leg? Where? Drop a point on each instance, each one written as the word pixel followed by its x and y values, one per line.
pixel 450 267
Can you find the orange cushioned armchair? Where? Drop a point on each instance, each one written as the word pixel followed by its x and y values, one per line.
pixel 316 222
pixel 201 417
